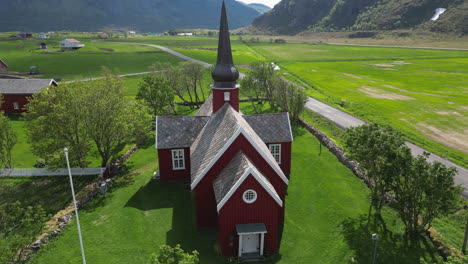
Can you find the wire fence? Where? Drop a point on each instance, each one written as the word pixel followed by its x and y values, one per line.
pixel 51 172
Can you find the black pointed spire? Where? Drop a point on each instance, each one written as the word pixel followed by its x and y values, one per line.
pixel 225 73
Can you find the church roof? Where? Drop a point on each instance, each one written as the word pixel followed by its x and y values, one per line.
pixel 207 107
pixel 234 174
pixel 271 128
pixel 218 134
pixel 178 131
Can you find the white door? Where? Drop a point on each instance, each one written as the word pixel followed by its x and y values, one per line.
pixel 250 243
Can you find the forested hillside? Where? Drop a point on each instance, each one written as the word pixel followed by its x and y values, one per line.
pixel 141 15
pixel 293 16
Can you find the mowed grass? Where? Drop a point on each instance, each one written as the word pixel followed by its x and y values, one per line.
pixel 81 64
pixel 326 209
pixel 421 92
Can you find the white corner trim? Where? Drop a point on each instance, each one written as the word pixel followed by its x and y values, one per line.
pixel 216 158
pixel 290 129
pixel 239 183
pixel 274 165
pixel 156 137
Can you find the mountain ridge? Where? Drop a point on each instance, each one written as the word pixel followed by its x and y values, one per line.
pixel 294 16
pixel 141 15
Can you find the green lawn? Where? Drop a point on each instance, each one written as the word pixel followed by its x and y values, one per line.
pixel 326 218
pixel 52 193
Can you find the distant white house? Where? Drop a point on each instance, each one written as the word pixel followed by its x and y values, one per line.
pixel 131 32
pixel 185 34
pixel 43 36
pixel 70 44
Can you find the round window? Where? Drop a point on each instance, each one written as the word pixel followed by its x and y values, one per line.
pixel 250 196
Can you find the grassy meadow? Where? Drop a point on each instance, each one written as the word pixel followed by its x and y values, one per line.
pixel 421 92
pixel 326 213
pixel 83 63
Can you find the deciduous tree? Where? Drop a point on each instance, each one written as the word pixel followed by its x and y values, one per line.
pixel 424 192
pixel 377 150
pixel 19 226
pixel 157 93
pixel 173 255
pixel 56 120
pixel 110 119
pixel 79 115
pixel 7 141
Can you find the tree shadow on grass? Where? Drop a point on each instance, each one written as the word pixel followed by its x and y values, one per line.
pixel 155 195
pixel 393 248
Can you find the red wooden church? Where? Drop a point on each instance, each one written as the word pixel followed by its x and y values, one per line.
pixel 237 165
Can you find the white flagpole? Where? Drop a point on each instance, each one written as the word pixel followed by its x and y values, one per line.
pixel 76 208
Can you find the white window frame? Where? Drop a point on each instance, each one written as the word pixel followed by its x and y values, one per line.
pixel 276 155
pixel 16 106
pixel 178 159
pixel 251 200
pixel 227 96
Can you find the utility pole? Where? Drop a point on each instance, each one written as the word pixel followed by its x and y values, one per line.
pixel 76 208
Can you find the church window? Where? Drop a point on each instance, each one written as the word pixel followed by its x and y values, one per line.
pixel 250 196
pixel 275 150
pixel 178 162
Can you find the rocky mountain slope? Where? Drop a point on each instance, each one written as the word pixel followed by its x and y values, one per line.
pixel 293 16
pixel 141 15
pixel 261 8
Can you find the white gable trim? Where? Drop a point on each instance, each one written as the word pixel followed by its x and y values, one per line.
pixel 52 81
pixel 239 183
pixel 274 165
pixel 290 129
pixel 156 137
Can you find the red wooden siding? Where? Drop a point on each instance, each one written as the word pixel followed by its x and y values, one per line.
pixel 3 67
pixel 165 166
pixel 205 202
pixel 218 98
pixel 264 210
pixel 9 99
pixel 285 157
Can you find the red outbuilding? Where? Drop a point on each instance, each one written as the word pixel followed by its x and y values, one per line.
pixel 16 92
pixel 237 165
pixel 3 66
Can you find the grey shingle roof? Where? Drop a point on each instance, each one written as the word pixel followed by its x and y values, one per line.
pixel 24 86
pixel 272 128
pixel 219 129
pixel 207 108
pixel 232 173
pixel 178 131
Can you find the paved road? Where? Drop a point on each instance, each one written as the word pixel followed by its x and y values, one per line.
pixel 345 120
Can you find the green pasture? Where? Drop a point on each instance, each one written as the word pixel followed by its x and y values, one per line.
pixel 421 92
pixel 83 63
pixel 326 218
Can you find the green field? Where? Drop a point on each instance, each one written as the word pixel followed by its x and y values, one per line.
pixel 326 218
pixel 83 63
pixel 421 92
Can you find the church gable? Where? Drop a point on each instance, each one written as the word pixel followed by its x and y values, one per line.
pixel 234 175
